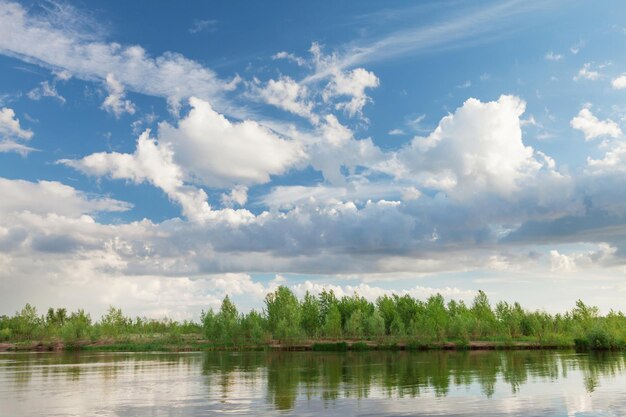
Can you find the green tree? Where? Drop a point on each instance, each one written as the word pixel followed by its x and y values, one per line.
pixel 355 326
pixel 283 314
pixel 332 326
pixel 311 317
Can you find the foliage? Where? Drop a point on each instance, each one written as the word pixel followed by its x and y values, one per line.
pixel 392 320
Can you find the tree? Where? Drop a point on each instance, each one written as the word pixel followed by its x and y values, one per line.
pixel 375 325
pixel 227 323
pixel 283 314
pixel 355 325
pixel 332 326
pixel 310 311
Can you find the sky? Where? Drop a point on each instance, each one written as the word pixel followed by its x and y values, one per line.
pixel 158 158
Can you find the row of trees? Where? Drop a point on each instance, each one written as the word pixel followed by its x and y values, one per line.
pixel 287 319
pixel 402 317
pixel 28 325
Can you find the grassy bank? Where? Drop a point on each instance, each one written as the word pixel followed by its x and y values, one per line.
pixel 323 322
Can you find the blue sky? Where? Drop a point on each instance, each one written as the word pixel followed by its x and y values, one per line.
pixel 158 158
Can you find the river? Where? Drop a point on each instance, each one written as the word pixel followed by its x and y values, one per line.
pixel 485 383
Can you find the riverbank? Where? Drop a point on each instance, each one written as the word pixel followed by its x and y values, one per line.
pixel 324 345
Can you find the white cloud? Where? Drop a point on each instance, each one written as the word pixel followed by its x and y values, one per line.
pixel 592 127
pixel 212 150
pixel 587 73
pixel 45 197
pixel 479 148
pixel 290 57
pixel 352 84
pixel 574 261
pixel 287 94
pixel 151 162
pixel 116 102
pixel 619 83
pixel 45 41
pixel 200 25
pixel 238 195
pixel 11 132
pixel 334 132
pixel 45 89
pixel 614 161
pixel 10 125
pixel 12 146
pixel 395 132
pixel 551 56
pixel 220 153
pixel 575 49
pixel 371 293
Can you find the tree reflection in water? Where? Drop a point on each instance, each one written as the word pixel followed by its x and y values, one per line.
pixel 331 375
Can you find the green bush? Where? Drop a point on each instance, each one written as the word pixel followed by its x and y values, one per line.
pixel 360 346
pixel 5 334
pixel 330 347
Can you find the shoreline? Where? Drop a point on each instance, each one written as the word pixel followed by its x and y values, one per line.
pixel 322 345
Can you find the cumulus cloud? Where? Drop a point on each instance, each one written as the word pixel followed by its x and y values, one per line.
pixel 238 196
pixel 11 133
pixel 479 148
pixel 592 127
pixel 351 84
pixel 116 102
pixel 619 83
pixel 287 94
pixel 10 125
pixel 220 153
pixel 212 150
pixel 151 162
pixel 574 261
pixel 614 161
pixel 53 197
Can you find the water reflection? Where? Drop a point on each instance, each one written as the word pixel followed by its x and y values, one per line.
pixel 330 376
pixel 517 382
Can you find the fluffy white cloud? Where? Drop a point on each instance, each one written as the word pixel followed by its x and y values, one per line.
pixel 212 150
pixel 11 132
pixel 116 102
pixel 574 261
pixel 619 83
pixel 592 127
pixel 10 125
pixel 287 94
pixel 238 195
pixel 614 161
pixel 353 85
pixel 371 293
pixel 52 197
pixel 151 162
pixel 477 149
pixel 220 153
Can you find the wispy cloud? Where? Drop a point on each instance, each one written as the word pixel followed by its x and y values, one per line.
pixel 203 26
pixel 468 26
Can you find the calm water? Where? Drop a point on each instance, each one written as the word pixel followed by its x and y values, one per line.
pixel 281 383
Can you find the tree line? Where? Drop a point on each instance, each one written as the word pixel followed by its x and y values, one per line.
pixel 286 319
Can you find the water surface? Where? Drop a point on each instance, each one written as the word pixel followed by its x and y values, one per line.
pixel 519 383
